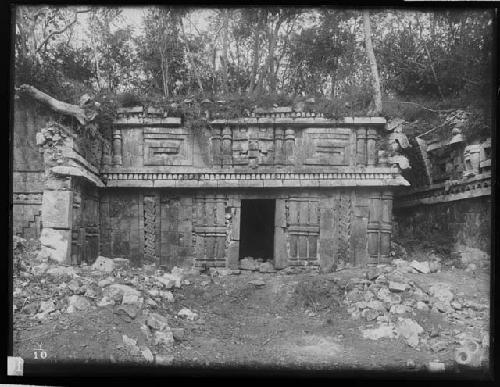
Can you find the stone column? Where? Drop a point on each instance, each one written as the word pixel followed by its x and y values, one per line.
pixel 371 151
pixel 289 145
pixel 216 146
pixel 227 159
pixel 279 158
pixel 253 147
pixel 386 227
pixel 373 229
pixel 361 146
pixel 117 147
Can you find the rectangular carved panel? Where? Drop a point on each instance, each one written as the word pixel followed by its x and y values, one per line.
pixel 302 221
pixel 167 146
pixel 325 146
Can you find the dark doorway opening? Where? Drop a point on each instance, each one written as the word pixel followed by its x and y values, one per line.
pixel 257 228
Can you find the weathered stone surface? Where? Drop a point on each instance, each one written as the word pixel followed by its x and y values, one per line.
pixel 157 321
pixel 148 355
pixel 442 292
pixel 164 337
pixel 409 330
pixel 47 306
pixel 130 298
pixel 163 359
pixel 178 333
pixel 397 286
pixel 57 209
pixel 398 309
pixel 118 291
pixel 376 305
pixel 422 306
pixel 266 267
pixel 105 301
pixel 55 244
pixel 76 302
pixel 61 270
pixel 248 264
pixel 370 314
pixel 103 264
pixel 187 314
pixel 130 311
pixel 421 267
pixel 105 282
pixel 434 366
pixel 257 282
pixel 382 331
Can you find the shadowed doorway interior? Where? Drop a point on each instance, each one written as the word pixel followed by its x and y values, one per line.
pixel 257 228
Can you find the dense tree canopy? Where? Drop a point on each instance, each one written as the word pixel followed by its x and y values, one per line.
pixel 436 59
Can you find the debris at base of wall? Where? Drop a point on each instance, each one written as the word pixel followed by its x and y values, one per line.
pixel 410 363
pixel 442 292
pixel 178 333
pixel 248 263
pixel 397 286
pixel 127 312
pixel 103 264
pixel 61 271
pixel 187 314
pixel 469 353
pixel 266 267
pixel 421 267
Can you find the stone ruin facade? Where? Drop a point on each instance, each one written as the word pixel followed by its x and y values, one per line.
pixel 450 191
pixel 293 188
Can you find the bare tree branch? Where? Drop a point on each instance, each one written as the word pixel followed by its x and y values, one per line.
pixel 56 105
pixel 421 106
pixel 62 30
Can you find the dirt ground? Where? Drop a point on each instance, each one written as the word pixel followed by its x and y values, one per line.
pixel 291 321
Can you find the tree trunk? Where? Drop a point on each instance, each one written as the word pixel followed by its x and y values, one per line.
pixel 190 57
pixel 225 32
pixel 56 105
pixel 255 61
pixel 373 63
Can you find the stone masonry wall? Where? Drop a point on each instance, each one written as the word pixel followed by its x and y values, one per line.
pixel 461 222
pixel 28 169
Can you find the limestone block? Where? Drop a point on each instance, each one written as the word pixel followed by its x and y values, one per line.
pixel 56 244
pixel 57 209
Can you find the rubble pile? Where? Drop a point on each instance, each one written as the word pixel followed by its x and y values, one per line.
pixel 44 290
pixel 389 304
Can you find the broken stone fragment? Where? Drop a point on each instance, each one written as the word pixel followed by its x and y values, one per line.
pixel 398 309
pixel 130 298
pixel 442 292
pixel 76 302
pixel 434 366
pixel 103 264
pixel 422 306
pixel 117 291
pixel 443 307
pixel 178 333
pixel 120 263
pixel 105 282
pixel 421 267
pixel 148 355
pixel 257 282
pixel 157 321
pixel 397 286
pixel 164 338
pixel 47 306
pixel 130 343
pixel 248 263
pixel 127 311
pixel 409 330
pixel 266 267
pixel 74 285
pixel 370 314
pixel 376 305
pixel 382 331
pixel 62 270
pixel 164 359
pixel 105 301
pixel 188 314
